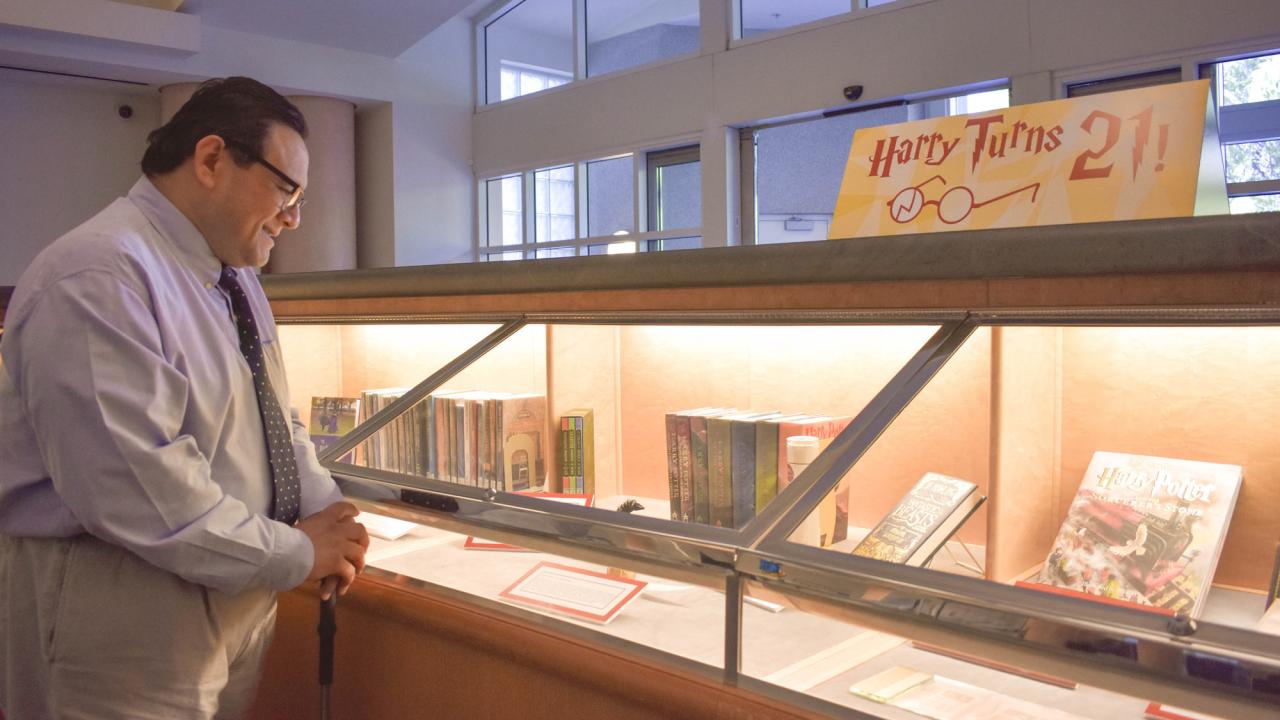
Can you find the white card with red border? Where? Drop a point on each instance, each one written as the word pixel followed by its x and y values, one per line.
pixel 1168 712
pixel 575 592
pixel 475 543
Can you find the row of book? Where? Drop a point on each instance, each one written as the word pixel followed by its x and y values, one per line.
pixel 577 452
pixel 477 438
pixel 725 465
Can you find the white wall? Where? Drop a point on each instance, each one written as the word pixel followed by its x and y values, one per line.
pixel 413 130
pixel 431 124
pixel 66 153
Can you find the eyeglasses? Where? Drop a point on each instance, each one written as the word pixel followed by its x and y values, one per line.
pixel 295 201
pixel 954 205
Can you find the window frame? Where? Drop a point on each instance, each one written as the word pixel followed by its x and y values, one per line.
pixel 644 166
pixel 1255 126
pixel 577 38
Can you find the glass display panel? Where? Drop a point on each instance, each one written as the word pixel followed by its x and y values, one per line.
pixel 625 35
pixel 345 361
pixel 653 611
pixel 639 412
pixel 528 49
pixel 808 647
pixel 1136 466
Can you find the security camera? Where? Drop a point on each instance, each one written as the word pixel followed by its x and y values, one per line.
pixel 125 111
pixel 852 92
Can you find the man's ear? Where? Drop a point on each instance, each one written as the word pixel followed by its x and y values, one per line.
pixel 210 151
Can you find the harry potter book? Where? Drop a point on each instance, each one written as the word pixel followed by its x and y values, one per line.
pixel 1145 530
pixel 925 518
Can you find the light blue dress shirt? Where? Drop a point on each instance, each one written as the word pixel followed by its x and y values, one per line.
pixel 128 412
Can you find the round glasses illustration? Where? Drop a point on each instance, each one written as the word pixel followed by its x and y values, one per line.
pixel 954 205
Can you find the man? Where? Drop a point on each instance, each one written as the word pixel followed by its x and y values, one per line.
pixel 149 481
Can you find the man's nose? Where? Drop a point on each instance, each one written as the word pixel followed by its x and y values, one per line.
pixel 291 217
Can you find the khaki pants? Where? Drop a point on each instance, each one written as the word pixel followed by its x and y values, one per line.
pixel 89 630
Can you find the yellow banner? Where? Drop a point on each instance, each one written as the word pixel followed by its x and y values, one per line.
pixel 1116 156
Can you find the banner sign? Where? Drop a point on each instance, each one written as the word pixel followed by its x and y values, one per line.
pixel 1146 153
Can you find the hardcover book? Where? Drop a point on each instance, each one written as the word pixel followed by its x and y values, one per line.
pixel 523 429
pixel 578 427
pixel 1146 530
pixel 925 518
pixel 700 459
pixel 742 470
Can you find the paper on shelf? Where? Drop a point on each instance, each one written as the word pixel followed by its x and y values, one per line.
pixel 387 528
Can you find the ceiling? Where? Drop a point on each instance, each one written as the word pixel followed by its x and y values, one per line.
pixel 379 27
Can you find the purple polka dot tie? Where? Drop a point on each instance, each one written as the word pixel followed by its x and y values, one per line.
pixel 286 493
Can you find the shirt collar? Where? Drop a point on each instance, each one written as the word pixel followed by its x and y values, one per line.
pixel 175 227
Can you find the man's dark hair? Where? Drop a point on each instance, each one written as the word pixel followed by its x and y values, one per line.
pixel 240 110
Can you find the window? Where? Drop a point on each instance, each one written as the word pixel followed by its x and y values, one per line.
pixel 593 207
pixel 553 200
pixel 628 34
pixel 1247 92
pixel 1127 82
pixel 517 79
pixel 793 170
pixel 532 45
pixel 528 47
pixel 764 16
pixel 675 189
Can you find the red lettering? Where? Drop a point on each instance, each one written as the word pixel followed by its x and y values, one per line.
pixel 981 141
pixel 1079 171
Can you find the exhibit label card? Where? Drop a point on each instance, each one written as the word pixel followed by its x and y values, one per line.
pixel 576 592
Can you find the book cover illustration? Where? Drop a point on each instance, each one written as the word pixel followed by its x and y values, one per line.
pixel 921 522
pixel 523 434
pixel 1145 530
pixel 331 418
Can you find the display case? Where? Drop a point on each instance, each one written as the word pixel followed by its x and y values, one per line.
pixel 933 539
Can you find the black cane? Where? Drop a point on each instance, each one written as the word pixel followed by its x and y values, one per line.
pixel 328 628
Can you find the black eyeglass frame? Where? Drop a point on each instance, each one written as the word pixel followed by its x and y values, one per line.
pixel 295 200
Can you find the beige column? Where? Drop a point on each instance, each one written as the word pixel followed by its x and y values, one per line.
pixel 326 239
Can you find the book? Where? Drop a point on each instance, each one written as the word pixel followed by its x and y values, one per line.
pixel 1145 530
pixel 577 443
pixel 720 465
pixel 742 468
pixel 767 459
pixel 523 431
pixel 699 488
pixel 889 684
pixel 681 461
pixel 331 418
pixel 922 521
pixel 585 427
